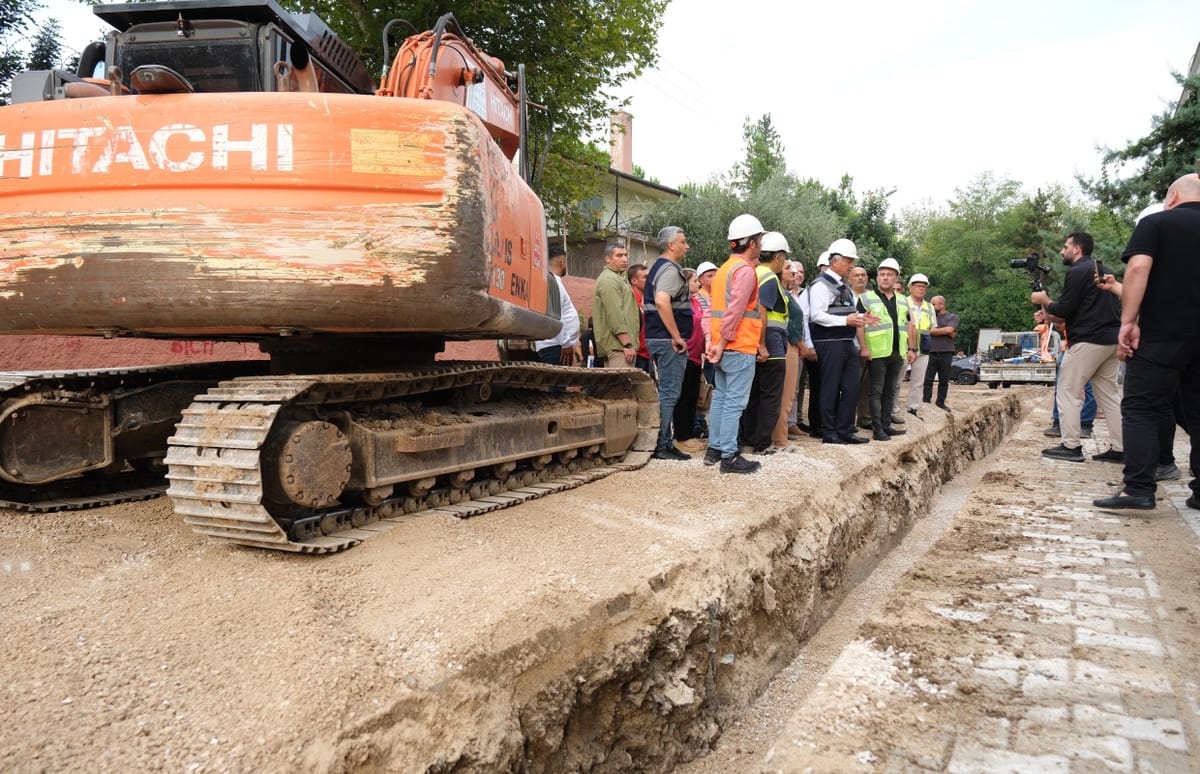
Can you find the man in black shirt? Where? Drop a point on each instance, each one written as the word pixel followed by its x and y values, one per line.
pixel 1160 339
pixel 1093 320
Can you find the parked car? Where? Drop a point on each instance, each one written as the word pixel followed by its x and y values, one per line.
pixel 965 370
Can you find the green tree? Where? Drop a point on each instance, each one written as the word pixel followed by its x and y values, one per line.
pixel 15 16
pixel 1170 150
pixel 46 52
pixel 868 223
pixel 577 53
pixel 792 207
pixel 763 154
pixel 578 167
pixel 967 251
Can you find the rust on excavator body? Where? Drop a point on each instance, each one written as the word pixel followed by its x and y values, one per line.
pixel 321 213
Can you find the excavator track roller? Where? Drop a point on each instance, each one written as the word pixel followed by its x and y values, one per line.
pixel 308 464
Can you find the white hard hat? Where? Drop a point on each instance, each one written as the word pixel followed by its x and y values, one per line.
pixel 918 278
pixel 843 247
pixel 823 259
pixel 1150 210
pixel 705 267
pixel 889 263
pixel 744 226
pixel 773 242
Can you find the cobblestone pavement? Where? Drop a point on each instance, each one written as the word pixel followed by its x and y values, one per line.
pixel 1038 635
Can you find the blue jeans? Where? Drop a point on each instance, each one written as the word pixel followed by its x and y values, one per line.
pixel 1087 415
pixel 731 392
pixel 671 366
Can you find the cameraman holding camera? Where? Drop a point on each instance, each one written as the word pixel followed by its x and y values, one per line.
pixel 1093 319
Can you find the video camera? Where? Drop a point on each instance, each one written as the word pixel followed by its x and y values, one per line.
pixel 1037 270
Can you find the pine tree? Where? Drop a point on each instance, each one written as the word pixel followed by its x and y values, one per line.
pixel 764 154
pixel 46 52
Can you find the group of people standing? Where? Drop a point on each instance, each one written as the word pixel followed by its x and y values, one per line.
pixel 1151 321
pixel 753 330
pixel 758 335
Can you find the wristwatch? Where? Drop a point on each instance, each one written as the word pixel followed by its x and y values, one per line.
pixel 627 345
pixel 910 349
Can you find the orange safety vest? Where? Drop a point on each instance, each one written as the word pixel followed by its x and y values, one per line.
pixel 749 330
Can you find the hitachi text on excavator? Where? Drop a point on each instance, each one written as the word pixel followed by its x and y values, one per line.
pixel 224 170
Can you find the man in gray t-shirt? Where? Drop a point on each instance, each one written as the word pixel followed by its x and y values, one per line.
pixel 941 352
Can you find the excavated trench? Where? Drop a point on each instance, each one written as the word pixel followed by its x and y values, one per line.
pixel 648 658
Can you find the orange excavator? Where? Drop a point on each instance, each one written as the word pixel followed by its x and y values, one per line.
pixel 226 170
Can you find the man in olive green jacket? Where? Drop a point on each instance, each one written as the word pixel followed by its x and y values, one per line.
pixel 615 315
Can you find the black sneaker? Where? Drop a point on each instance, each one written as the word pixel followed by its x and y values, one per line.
pixel 855 439
pixel 1052 431
pixel 1122 501
pixel 894 431
pixel 1167 473
pixel 1085 432
pixel 944 407
pixel 670 453
pixel 739 464
pixel 1193 502
pixel 879 435
pixel 1061 452
pixel 712 456
pixel 914 413
pixel 1112 455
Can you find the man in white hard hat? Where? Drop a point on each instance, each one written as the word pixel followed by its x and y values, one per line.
pixel 887 346
pixel 737 341
pixel 668 313
pixel 766 391
pixel 923 316
pixel 833 322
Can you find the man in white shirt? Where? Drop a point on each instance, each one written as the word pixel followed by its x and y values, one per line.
pixel 563 349
pixel 833 323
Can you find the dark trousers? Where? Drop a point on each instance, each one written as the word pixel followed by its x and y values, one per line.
pixel 941 366
pixel 840 374
pixel 863 408
pixel 1152 376
pixel 552 355
pixel 812 372
pixel 766 400
pixel 1166 433
pixel 685 408
pixel 885 374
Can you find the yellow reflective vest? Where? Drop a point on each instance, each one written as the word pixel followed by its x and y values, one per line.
pixel 879 336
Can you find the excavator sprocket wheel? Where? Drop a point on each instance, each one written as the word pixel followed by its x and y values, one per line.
pixel 311 466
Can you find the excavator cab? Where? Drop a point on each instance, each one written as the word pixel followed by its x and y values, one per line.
pixel 201 46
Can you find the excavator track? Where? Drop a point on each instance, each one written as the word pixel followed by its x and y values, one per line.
pixel 53 427
pixel 222 453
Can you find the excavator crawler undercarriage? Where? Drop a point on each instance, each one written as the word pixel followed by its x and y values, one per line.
pixel 319 464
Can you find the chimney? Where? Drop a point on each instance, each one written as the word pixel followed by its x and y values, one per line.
pixel 622 142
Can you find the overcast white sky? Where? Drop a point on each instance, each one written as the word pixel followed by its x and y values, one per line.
pixel 919 96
